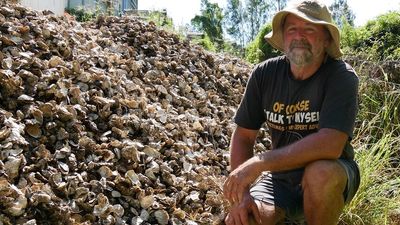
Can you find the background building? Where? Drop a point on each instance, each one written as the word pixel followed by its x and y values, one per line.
pixel 115 7
pixel 56 6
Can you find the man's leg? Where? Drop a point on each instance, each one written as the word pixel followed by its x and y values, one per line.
pixel 270 215
pixel 278 195
pixel 323 184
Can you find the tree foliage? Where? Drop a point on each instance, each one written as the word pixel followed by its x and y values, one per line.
pixel 383 36
pixel 277 5
pixel 243 19
pixel 341 13
pixel 234 20
pixel 161 19
pixel 210 21
pixel 81 15
pixel 256 15
pixel 259 50
pixel 379 39
pixel 205 42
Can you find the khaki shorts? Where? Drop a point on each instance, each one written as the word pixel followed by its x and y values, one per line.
pixel 284 189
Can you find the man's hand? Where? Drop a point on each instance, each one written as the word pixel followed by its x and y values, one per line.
pixel 240 179
pixel 239 213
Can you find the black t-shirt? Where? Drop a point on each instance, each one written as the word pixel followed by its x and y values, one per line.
pixel 293 109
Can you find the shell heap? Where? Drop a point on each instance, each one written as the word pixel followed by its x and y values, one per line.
pixel 111 122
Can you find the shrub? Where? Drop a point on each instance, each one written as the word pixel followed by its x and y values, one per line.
pixel 379 38
pixel 81 15
pixel 234 49
pixel 259 50
pixel 206 43
pixel 161 19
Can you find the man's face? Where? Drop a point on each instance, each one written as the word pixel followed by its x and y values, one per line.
pixel 304 42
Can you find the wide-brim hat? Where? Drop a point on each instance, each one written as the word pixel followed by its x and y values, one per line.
pixel 309 10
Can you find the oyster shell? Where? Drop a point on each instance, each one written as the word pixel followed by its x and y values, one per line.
pixel 113 121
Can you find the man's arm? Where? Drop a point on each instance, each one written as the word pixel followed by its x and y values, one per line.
pixel 241 148
pixel 324 144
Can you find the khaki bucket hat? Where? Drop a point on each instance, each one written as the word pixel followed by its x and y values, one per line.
pixel 310 10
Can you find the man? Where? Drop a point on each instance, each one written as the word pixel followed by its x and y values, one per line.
pixel 308 100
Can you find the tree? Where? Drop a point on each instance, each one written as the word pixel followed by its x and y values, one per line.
pixel 244 18
pixel 341 13
pixel 234 21
pixel 256 15
pixel 279 4
pixel 259 50
pixel 210 21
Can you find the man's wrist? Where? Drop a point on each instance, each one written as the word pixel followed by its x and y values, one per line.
pixel 259 164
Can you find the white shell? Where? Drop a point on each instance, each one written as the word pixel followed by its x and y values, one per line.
pixel 162 216
pixel 118 120
pixel 147 201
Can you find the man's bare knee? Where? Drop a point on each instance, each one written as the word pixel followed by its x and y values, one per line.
pixel 324 173
pixel 323 184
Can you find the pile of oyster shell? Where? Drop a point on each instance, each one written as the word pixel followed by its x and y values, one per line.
pixel 111 122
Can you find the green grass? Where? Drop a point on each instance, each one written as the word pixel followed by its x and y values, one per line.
pixel 378 195
pixel 377 143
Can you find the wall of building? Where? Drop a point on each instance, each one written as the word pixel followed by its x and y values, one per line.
pixel 56 6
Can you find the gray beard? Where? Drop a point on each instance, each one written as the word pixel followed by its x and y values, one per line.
pixel 300 59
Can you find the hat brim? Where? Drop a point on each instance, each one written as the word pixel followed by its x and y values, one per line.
pixel 275 37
